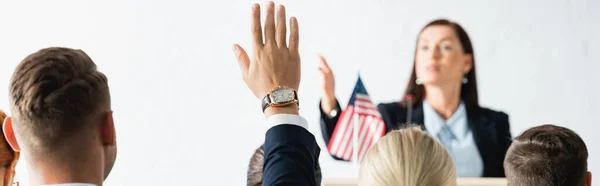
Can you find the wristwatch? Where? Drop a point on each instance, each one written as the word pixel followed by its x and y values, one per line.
pixel 280 97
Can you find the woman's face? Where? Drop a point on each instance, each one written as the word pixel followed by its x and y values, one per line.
pixel 440 58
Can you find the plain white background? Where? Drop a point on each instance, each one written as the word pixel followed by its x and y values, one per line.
pixel 185 117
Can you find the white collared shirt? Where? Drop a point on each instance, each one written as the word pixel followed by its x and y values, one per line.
pixel 278 119
pixel 465 153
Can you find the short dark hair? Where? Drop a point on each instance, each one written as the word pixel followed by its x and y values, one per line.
pixel 255 168
pixel 54 93
pixel 547 155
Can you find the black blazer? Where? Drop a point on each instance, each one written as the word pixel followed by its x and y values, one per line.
pixel 291 156
pixel 490 128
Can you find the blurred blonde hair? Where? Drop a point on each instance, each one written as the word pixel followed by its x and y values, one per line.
pixel 8 157
pixel 407 157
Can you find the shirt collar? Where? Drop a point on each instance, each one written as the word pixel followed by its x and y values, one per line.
pixel 434 122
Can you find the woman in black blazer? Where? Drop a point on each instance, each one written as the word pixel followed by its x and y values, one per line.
pixel 445 103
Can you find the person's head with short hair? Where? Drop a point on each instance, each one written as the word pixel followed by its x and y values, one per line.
pixel 8 158
pixel 255 168
pixel 61 117
pixel 407 157
pixel 547 155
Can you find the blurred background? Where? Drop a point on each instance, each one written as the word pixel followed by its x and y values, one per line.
pixel 185 117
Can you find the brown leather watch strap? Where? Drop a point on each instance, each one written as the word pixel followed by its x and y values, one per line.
pixel 266 101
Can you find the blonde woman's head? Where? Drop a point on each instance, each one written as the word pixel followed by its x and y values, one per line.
pixel 407 157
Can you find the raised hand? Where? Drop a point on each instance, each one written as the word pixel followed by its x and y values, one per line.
pixel 327 86
pixel 274 63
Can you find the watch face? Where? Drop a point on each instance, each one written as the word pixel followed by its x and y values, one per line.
pixel 282 95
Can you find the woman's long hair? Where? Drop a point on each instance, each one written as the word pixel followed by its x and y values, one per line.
pixel 8 157
pixel 468 91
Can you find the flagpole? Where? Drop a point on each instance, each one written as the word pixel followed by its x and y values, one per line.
pixel 355 138
pixel 355 133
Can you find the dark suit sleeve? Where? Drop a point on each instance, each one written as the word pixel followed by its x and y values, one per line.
pixel 328 124
pixel 291 156
pixel 505 138
pixel 503 129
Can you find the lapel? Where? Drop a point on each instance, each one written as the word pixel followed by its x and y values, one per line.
pixel 475 123
pixel 484 132
pixel 485 137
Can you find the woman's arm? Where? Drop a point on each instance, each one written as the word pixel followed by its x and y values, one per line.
pixel 504 132
pixel 328 123
pixel 504 136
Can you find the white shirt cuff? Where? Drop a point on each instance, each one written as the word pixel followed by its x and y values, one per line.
pixel 279 119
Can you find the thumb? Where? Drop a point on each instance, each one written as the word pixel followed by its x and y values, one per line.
pixel 242 57
pixel 322 75
pixel 324 64
pixel 322 72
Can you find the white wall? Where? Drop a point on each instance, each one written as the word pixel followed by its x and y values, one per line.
pixel 184 115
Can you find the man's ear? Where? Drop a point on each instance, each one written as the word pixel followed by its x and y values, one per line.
pixel 588 179
pixel 9 134
pixel 109 136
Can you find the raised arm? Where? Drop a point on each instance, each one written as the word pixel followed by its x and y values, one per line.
pixel 291 152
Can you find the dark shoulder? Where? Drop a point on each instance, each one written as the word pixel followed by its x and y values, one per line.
pixel 390 112
pixel 392 107
pixel 494 115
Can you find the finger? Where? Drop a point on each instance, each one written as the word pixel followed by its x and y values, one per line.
pixel 242 58
pixel 324 64
pixel 281 26
pixel 256 27
pixel 323 77
pixel 322 71
pixel 294 35
pixel 270 23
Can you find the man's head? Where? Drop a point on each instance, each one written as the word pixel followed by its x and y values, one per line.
pixel 255 168
pixel 61 110
pixel 547 155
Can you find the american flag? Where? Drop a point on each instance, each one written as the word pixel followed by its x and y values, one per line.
pixel 364 114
